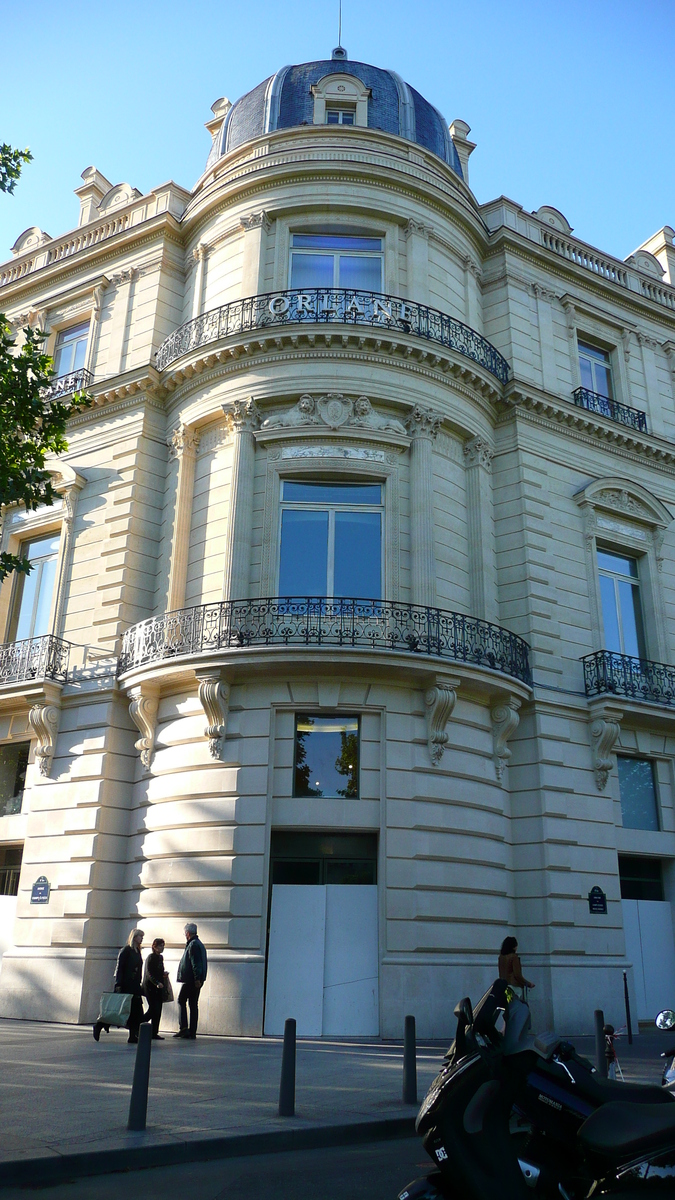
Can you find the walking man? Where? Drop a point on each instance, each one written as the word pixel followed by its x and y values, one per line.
pixel 191 974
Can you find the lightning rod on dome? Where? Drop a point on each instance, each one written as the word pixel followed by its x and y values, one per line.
pixel 339 51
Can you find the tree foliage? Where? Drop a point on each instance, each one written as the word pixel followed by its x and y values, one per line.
pixel 32 425
pixel 11 162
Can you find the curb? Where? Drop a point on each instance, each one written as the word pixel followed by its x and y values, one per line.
pixel 61 1168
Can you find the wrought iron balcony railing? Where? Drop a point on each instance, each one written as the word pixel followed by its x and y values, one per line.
pixel 611 674
pixel 622 413
pixel 65 385
pixel 316 621
pixel 334 306
pixel 35 658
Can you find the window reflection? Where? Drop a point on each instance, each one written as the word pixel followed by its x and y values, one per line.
pixel 331 260
pixel 621 608
pixel 326 756
pixel 331 540
pixel 34 592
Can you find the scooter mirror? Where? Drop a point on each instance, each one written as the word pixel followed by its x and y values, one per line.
pixel 665 1019
pixel 464 1009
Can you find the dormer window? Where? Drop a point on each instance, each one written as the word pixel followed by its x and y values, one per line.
pixel 340 116
pixel 340 100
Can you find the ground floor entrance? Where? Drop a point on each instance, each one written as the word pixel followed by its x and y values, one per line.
pixel 322 960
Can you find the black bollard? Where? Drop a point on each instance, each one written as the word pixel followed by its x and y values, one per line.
pixel 409 1062
pixel 627 1003
pixel 138 1105
pixel 600 1060
pixel 287 1085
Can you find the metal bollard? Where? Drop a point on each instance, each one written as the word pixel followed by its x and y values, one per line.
pixel 600 1060
pixel 409 1062
pixel 138 1105
pixel 626 1000
pixel 287 1085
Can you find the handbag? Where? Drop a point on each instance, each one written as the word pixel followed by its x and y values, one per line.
pixel 167 990
pixel 115 1009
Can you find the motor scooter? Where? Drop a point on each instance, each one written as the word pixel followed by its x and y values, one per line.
pixel 510 1113
pixel 666 1020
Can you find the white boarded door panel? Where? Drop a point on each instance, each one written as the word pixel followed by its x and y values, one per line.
pixel 295 958
pixel 631 929
pixel 350 992
pixel 658 955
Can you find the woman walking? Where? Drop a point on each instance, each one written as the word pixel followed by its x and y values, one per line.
pixel 153 985
pixel 509 965
pixel 128 979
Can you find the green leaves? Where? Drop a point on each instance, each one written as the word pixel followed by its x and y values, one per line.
pixel 11 162
pixel 32 425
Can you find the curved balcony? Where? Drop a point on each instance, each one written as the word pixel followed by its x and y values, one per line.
pixel 337 306
pixel 609 674
pixel 314 621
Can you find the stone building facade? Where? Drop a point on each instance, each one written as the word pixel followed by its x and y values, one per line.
pixel 349 635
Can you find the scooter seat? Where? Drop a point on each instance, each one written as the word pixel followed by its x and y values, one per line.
pixel 610 1091
pixel 620 1131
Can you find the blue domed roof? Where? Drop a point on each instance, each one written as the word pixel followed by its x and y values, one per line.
pixel 286 99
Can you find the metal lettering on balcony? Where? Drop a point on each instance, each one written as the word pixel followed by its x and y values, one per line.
pixel 33 659
pixel 607 673
pixel 336 306
pixel 315 621
pixel 66 385
pixel 622 413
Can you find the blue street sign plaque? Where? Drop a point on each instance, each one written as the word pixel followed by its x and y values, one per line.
pixel 40 891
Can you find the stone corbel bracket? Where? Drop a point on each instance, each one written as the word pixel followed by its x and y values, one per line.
pixel 143 705
pixel 439 702
pixel 604 722
pixel 44 721
pixel 214 697
pixel 505 720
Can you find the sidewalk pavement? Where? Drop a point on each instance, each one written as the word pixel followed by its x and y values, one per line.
pixel 69 1098
pixel 66 1099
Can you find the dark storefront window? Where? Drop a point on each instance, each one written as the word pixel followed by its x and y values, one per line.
pixel 13 765
pixel 316 858
pixel 641 878
pixel 10 869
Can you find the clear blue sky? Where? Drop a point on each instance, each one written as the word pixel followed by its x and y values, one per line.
pixel 571 103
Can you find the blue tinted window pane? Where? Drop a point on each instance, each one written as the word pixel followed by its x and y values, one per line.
pixel 586 370
pixel 326 756
pixel 358 555
pixel 304 553
pixel 333 493
pixel 311 270
pixel 631 619
pixel 44 597
pixel 593 352
pixel 358 272
pixel 329 241
pixel 639 809
pixel 26 594
pixel 610 618
pixel 617 563
pixel 603 381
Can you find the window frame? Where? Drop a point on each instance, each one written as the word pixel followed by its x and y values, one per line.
pixel 326 715
pixel 332 507
pixel 635 582
pixel 588 344
pixel 621 753
pixel 342 110
pixel 19 584
pixel 335 254
pixel 19 743
pixel 58 345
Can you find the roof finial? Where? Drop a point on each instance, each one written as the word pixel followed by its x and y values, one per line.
pixel 339 51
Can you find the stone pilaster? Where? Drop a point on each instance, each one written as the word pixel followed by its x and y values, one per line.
pixel 256 229
pixel 417 261
pixel 183 444
pixel 423 425
pixel 199 254
pixel 243 418
pixel 482 565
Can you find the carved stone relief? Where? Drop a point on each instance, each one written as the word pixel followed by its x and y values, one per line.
pixel 439 702
pixel 334 410
pixel 143 707
pixel 214 697
pixel 44 721
pixel 505 721
pixel 604 725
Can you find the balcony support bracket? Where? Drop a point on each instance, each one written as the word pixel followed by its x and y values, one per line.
pixel 143 705
pixel 439 702
pixel 604 723
pixel 505 721
pixel 214 697
pixel 44 721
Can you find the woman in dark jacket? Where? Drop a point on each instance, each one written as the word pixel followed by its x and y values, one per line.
pixel 509 965
pixel 153 985
pixel 128 979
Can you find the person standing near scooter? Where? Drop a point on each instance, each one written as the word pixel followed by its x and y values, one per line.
pixel 509 966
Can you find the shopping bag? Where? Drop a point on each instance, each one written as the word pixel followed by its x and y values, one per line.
pixel 115 1008
pixel 167 992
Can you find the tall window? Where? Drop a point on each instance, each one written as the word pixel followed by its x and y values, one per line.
pixel 10 869
pixel 326 756
pixel 639 808
pixel 621 608
pixel 331 540
pixel 13 766
pixel 71 349
pixel 33 601
pixel 596 371
pixel 325 260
